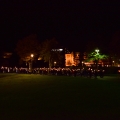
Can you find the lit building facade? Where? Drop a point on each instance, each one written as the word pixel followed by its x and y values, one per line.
pixel 72 59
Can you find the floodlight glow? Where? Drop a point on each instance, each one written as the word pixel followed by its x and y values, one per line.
pixel 60 49
pixel 97 50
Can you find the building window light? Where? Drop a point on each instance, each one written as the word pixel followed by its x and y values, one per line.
pixel 60 49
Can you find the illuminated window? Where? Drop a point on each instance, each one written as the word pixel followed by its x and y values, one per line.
pixel 60 49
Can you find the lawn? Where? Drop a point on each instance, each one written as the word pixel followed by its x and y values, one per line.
pixel 39 97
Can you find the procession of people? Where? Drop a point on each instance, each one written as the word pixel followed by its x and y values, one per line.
pixel 83 72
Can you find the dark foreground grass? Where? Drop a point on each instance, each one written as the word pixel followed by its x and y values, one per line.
pixel 36 97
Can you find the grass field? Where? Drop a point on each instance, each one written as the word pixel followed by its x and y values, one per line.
pixel 39 97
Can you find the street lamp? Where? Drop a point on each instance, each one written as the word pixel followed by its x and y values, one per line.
pixel 97 50
pixel 55 63
pixel 82 63
pixel 113 62
pixel 30 64
pixel 97 57
pixel 32 55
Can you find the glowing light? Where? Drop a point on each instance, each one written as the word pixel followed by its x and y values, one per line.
pixel 57 50
pixel 60 49
pixel 32 55
pixel 39 58
pixel 97 50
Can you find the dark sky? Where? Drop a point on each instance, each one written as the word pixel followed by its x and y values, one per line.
pixel 70 22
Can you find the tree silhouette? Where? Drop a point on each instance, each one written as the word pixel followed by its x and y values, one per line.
pixel 27 46
pixel 48 54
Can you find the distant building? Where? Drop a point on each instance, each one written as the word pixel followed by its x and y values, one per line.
pixel 9 59
pixel 60 50
pixel 56 62
pixel 72 59
pixel 7 54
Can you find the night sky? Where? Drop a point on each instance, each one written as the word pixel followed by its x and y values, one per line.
pixel 71 23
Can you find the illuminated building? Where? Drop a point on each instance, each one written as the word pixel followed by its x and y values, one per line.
pixel 60 50
pixel 72 59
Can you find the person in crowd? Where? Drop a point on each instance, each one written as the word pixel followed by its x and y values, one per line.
pixel 95 73
pixel 101 73
pixel 90 73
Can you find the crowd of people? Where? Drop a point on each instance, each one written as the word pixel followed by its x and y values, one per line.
pixel 86 72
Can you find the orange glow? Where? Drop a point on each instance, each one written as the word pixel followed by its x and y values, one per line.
pixel 69 60
pixel 72 59
pixel 31 55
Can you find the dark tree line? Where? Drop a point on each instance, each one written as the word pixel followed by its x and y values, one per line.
pixel 41 50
